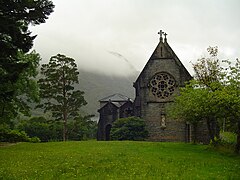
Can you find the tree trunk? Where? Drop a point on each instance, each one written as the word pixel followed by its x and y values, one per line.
pixel 237 148
pixel 64 126
pixel 213 129
pixel 194 133
pixel 211 133
pixel 217 129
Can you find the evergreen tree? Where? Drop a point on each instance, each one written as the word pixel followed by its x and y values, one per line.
pixel 57 88
pixel 15 38
pixel 25 89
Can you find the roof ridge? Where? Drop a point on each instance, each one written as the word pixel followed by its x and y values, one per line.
pixel 115 97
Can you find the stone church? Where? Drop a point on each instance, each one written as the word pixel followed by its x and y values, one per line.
pixel 155 87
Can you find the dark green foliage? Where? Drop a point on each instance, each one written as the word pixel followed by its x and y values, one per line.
pixel 43 129
pixel 16 67
pixel 131 128
pixel 13 136
pixel 26 90
pixel 57 89
pixel 4 130
pixel 17 136
pixel 228 138
pixel 213 96
pixel 81 128
pixel 34 140
pixel 15 37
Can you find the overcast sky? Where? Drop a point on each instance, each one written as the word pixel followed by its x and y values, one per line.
pixel 103 35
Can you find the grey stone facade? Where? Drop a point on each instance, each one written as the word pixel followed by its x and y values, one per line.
pixel 156 87
pixel 111 108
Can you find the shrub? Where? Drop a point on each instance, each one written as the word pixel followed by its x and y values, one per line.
pixel 82 128
pixel 228 138
pixel 17 136
pixel 4 130
pixel 43 129
pixel 131 128
pixel 34 140
pixel 14 135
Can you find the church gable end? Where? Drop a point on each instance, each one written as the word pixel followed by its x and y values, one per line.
pixel 155 87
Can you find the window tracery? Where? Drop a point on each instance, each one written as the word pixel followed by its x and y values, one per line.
pixel 162 85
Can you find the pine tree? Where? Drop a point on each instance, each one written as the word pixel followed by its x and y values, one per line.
pixel 57 88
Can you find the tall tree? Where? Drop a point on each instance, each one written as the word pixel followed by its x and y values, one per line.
pixel 230 97
pixel 15 37
pixel 212 96
pixel 209 75
pixel 26 89
pixel 57 88
pixel 197 98
pixel 208 71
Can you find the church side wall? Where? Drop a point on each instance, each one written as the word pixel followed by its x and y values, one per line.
pixel 172 131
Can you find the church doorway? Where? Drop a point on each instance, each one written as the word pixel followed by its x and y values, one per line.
pixel 107 131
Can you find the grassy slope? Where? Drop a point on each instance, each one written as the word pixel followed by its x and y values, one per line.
pixel 115 160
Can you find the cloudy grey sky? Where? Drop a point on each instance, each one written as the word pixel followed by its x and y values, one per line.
pixel 104 35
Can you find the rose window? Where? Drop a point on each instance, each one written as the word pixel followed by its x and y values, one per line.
pixel 162 85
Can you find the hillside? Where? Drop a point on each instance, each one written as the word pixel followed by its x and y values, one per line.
pixel 97 86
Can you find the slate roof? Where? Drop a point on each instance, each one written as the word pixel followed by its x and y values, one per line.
pixel 116 98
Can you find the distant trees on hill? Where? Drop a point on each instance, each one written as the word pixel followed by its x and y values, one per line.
pixel 81 128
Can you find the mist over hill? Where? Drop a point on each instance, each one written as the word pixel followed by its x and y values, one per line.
pixel 115 74
pixel 97 86
pixel 98 79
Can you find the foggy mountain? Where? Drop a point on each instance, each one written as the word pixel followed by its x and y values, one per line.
pixel 97 86
pixel 115 74
pixel 100 79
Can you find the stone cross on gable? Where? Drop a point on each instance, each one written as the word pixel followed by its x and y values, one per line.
pixel 165 35
pixel 160 33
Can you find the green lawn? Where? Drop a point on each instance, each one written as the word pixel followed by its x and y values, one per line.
pixel 115 160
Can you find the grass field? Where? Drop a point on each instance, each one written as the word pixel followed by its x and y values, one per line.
pixel 115 160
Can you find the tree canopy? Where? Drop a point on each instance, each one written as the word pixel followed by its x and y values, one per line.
pixel 15 38
pixel 26 89
pixel 213 96
pixel 15 41
pixel 57 88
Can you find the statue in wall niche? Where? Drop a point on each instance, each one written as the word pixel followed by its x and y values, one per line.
pixel 163 121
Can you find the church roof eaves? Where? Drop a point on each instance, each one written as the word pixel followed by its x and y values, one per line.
pixel 116 98
pixel 116 104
